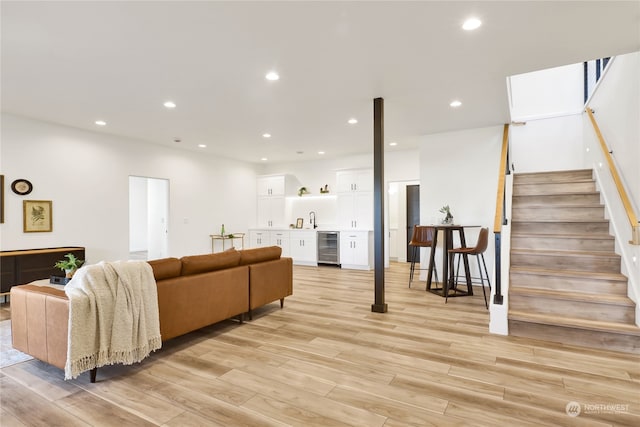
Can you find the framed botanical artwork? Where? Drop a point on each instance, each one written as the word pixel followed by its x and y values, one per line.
pixel 299 222
pixel 37 216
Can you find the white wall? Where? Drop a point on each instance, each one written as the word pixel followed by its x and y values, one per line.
pixel 616 103
pixel 546 93
pixel 551 144
pixel 157 218
pixel 86 175
pixel 138 214
pixel 460 169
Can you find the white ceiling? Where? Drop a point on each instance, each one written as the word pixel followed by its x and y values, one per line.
pixel 76 62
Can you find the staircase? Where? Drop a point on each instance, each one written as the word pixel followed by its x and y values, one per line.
pixel 565 280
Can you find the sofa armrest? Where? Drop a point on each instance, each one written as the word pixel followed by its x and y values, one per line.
pixel 270 281
pixel 40 323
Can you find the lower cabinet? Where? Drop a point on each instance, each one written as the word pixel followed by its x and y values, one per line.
pixel 281 238
pixel 356 250
pixel 299 245
pixel 303 247
pixel 259 238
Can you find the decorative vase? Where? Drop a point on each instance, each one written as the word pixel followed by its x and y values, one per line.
pixel 68 273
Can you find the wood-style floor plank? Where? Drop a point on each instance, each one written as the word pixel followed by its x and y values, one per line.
pixel 326 360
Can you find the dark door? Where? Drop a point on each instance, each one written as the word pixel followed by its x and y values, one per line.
pixel 413 215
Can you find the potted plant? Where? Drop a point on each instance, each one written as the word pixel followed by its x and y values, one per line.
pixel 448 218
pixel 69 265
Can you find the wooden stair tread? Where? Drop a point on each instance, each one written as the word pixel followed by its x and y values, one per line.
pixel 593 325
pixel 590 236
pixel 611 299
pixel 570 273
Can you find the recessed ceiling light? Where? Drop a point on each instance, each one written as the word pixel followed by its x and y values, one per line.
pixel 202 145
pixel 100 122
pixel 264 159
pixel 455 103
pixel 170 104
pixel 352 121
pixel 393 144
pixel 272 75
pixel 266 135
pixel 299 152
pixel 320 152
pixel 471 24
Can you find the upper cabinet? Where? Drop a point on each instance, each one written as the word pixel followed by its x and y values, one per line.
pixel 277 185
pixel 356 180
pixel 355 199
pixel 272 190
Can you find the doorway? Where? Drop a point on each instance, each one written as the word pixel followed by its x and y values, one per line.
pixel 413 216
pixel 148 218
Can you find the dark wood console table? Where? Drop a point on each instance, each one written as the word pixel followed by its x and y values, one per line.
pixel 25 266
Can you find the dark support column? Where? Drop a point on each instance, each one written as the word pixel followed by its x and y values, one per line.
pixel 379 305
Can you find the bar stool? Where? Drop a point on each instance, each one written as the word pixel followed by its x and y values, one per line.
pixel 478 252
pixel 422 238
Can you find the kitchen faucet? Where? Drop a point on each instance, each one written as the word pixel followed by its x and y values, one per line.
pixel 312 219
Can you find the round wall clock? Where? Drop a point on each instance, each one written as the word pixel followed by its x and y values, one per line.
pixel 21 187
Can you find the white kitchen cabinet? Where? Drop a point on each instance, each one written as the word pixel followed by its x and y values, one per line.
pixel 303 247
pixel 259 238
pixel 271 212
pixel 355 199
pixel 355 211
pixel 356 250
pixel 281 238
pixel 349 181
pixel 272 190
pixel 277 185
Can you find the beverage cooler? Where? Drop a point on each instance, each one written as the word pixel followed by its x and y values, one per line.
pixel 328 247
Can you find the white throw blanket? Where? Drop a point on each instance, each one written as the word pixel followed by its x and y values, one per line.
pixel 113 316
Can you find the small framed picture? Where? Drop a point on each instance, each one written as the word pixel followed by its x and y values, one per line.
pixel 37 216
pixel 299 222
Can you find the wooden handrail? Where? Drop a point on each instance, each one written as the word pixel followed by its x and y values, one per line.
pixel 497 223
pixel 633 219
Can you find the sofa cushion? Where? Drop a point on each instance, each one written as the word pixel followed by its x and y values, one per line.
pixel 195 264
pixel 255 255
pixel 166 268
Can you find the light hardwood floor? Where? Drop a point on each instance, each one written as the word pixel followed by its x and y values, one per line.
pixel 327 360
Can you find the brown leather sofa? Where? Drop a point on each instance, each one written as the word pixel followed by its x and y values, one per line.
pixel 193 292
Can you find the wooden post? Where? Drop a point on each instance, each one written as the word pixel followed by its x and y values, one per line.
pixel 379 305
